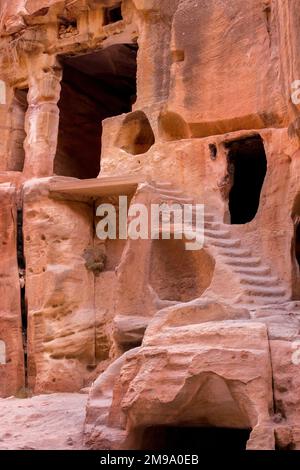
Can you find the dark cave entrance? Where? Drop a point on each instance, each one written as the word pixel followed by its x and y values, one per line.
pixel 247 167
pixel 297 243
pixel 95 86
pixel 113 14
pixel 194 438
pixel 295 249
pixel 295 252
pixel 22 275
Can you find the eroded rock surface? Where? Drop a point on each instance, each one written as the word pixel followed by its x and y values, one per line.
pixel 44 422
pixel 174 102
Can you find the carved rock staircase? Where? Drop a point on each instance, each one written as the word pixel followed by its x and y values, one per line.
pixel 259 285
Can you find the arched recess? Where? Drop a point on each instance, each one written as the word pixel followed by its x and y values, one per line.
pixel 195 438
pixel 213 417
pixel 172 126
pixel 177 274
pixel 136 135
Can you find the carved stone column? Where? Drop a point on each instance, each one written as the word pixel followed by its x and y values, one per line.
pixel 41 122
pixel 15 158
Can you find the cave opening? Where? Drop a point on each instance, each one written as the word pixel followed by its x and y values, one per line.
pixel 113 14
pixel 180 438
pixel 136 135
pixel 177 274
pixel 95 86
pixel 297 244
pixel 22 270
pixel 295 248
pixel 247 168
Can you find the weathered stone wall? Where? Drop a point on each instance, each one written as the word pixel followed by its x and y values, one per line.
pixel 12 369
pixel 221 322
pixel 59 291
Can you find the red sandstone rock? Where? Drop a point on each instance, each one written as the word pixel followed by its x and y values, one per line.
pixel 175 101
pixel 12 365
pixel 191 374
pixel 44 422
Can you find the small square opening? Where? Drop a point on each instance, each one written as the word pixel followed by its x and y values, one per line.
pixel 113 14
pixel 67 27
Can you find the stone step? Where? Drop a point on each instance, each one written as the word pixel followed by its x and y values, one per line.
pixel 235 253
pixel 261 301
pixel 261 281
pixel 174 199
pixel 218 234
pixel 208 218
pixel 247 262
pixel 253 270
pixel 223 243
pixel 211 225
pixel 268 292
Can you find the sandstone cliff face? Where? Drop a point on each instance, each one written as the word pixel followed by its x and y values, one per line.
pixel 59 291
pixel 164 102
pixel 12 366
